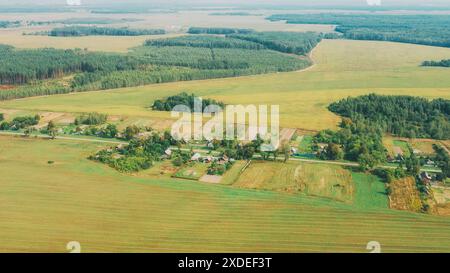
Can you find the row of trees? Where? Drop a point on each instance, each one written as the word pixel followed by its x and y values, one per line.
pixel 206 41
pixel 443 63
pixel 7 24
pixel 417 29
pixel 76 31
pixel 218 30
pixel 404 116
pixel 299 43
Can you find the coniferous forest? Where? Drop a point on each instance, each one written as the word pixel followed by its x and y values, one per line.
pixel 76 31
pixel 157 61
pixel 431 30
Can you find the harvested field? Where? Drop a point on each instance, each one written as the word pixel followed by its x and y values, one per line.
pixel 112 212
pixel 315 180
pixel 405 195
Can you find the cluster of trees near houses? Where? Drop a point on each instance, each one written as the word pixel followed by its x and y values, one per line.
pixel 36 72
pixel 367 118
pixel 19 123
pixel 167 104
pixel 356 141
pixel 405 116
pixel 442 63
pixel 77 31
pixel 431 30
pixel 139 154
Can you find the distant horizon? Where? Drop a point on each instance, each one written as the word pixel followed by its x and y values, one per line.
pixel 405 4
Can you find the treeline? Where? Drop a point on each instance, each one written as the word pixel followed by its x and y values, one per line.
pixel 219 31
pixel 404 116
pixel 299 43
pixel 431 30
pixel 167 104
pixel 205 41
pixel 7 24
pixel 286 42
pixel 76 31
pixel 231 14
pixel 443 63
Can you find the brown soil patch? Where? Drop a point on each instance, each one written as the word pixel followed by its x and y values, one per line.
pixel 213 179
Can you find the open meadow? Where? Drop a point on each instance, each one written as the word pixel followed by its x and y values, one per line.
pixel 342 68
pixel 44 206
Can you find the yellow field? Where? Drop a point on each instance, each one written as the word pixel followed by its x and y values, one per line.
pixel 312 179
pixel 343 68
pixel 44 206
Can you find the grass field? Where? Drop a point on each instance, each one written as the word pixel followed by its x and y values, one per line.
pixel 343 68
pixel 45 206
pixel 193 171
pixel 331 182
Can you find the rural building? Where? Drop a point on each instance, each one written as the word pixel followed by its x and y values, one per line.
pixel 196 157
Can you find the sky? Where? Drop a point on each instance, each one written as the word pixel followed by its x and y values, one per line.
pixel 227 2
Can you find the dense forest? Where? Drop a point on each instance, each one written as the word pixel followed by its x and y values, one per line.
pixel 404 116
pixel 219 31
pixel 416 29
pixel 76 31
pixel 299 43
pixel 24 66
pixel 205 41
pixel 167 104
pixel 165 60
pixel 442 63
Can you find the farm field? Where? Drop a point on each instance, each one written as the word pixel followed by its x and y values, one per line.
pixel 46 205
pixel 343 68
pixel 332 182
pixel 93 43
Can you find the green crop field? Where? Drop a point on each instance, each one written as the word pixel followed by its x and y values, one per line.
pixel 343 68
pixel 44 206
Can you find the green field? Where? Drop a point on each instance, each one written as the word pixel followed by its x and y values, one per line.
pixel 343 68
pixel 44 206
